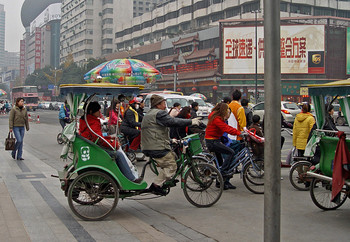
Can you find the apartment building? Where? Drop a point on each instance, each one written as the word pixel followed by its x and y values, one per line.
pixel 143 6
pixel 178 17
pixel 87 27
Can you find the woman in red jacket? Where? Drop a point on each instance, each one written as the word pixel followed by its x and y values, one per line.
pixel 215 129
pixel 92 118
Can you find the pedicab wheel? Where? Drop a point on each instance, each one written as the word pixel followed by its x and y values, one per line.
pixel 340 121
pixel 298 177
pixel 253 176
pixel 93 195
pixel 59 139
pixel 131 155
pixel 321 195
pixel 203 185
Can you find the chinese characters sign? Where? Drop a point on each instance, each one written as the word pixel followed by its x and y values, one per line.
pixel 301 46
pixel 37 48
pixel 22 60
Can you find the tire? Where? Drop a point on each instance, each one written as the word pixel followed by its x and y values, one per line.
pixel 298 177
pixel 93 195
pixel 203 185
pixel 340 121
pixel 253 176
pixel 321 194
pixel 59 139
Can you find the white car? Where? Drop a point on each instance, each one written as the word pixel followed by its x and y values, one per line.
pixel 288 109
pixel 203 110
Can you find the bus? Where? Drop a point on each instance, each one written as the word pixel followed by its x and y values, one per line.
pixel 30 95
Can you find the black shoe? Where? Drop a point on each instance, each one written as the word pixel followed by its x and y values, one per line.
pixel 20 159
pixel 157 190
pixel 170 184
pixel 13 156
pixel 138 180
pixel 228 185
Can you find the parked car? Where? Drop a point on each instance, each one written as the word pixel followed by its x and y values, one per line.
pixel 288 109
pixel 170 100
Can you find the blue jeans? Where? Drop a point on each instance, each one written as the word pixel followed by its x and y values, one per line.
pixel 19 134
pixel 123 165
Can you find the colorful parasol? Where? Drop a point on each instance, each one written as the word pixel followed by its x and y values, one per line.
pixel 124 71
pixel 200 95
pixel 2 93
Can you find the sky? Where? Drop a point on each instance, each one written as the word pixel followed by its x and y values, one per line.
pixel 14 29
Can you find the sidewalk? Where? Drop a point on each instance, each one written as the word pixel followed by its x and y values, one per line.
pixel 33 208
pixel 11 225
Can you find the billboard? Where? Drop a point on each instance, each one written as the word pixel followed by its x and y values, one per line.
pixel 302 49
pixel 37 48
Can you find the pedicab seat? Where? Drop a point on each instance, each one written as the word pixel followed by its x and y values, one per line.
pixel 328 147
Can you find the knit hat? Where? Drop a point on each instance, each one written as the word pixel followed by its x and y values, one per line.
pixel 156 99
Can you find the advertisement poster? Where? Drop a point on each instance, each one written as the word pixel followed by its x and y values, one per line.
pixel 302 49
pixel 348 51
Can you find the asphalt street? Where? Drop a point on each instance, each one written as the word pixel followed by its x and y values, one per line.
pixel 238 216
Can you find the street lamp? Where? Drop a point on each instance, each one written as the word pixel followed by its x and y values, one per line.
pixel 256 54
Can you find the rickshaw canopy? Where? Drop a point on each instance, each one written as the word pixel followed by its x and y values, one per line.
pixel 319 91
pixel 100 89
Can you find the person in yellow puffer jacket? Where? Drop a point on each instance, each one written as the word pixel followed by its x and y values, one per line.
pixel 303 124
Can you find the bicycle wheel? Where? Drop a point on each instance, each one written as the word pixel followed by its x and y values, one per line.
pixel 59 139
pixel 298 177
pixel 253 176
pixel 321 195
pixel 203 185
pixel 132 156
pixel 93 195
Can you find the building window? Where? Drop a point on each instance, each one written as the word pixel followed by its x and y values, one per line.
pixel 299 8
pixel 233 12
pixel 247 8
pixel 323 12
pixel 283 7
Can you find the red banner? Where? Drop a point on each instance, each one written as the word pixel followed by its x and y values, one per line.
pixel 22 60
pixel 37 48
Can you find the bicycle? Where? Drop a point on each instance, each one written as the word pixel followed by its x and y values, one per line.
pixel 300 165
pixel 252 172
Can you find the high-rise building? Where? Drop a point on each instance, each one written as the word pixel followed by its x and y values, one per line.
pixel 40 44
pixel 143 6
pixel 2 36
pixel 87 27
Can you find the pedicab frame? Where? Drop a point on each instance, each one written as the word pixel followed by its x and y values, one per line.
pixel 321 186
pixel 93 182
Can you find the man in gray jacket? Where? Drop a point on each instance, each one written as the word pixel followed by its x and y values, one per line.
pixel 155 140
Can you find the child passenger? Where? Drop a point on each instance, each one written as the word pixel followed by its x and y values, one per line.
pixel 257 148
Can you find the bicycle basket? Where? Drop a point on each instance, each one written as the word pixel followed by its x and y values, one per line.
pixel 194 145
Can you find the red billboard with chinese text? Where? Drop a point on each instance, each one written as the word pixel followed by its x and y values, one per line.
pixel 22 60
pixel 302 49
pixel 37 48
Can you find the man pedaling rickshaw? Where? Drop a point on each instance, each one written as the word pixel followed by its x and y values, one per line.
pixel 131 124
pixel 92 118
pixel 155 140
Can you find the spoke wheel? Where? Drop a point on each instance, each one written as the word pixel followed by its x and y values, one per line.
pixel 321 194
pixel 203 185
pixel 59 139
pixel 298 177
pixel 253 176
pixel 131 155
pixel 93 195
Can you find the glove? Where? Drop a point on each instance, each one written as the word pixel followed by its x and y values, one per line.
pixel 196 121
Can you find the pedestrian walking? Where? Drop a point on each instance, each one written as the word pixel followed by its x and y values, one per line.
pixel 303 124
pixel 18 121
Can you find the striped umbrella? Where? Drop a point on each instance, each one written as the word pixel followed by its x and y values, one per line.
pixel 123 71
pixel 2 93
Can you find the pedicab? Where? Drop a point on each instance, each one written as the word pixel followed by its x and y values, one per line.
pixel 330 185
pixel 93 182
